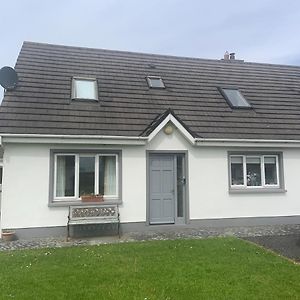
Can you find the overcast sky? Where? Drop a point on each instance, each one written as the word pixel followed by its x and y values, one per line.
pixel 257 30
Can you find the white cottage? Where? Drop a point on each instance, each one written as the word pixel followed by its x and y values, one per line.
pixel 172 141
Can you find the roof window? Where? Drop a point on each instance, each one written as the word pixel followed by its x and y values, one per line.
pixel 234 98
pixel 155 82
pixel 84 88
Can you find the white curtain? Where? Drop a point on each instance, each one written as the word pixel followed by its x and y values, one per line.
pixel 110 175
pixel 60 176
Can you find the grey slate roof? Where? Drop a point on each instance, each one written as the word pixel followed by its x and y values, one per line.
pixel 41 103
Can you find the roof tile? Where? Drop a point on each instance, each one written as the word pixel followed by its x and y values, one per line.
pixel 41 103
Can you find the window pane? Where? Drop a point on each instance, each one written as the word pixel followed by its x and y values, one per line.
pixel 237 174
pixel 0 175
pixel 180 186
pixel 85 89
pixel 270 171
pixel 236 98
pixel 155 82
pixel 253 171
pixel 65 177
pixel 86 175
pixel 107 175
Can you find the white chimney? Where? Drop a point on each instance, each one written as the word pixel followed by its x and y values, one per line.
pixel 226 55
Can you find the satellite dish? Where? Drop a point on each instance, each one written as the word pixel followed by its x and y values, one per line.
pixel 8 78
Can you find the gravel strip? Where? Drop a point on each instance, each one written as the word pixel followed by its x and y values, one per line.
pixel 254 233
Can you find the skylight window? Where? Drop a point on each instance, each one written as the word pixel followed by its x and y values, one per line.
pixel 84 88
pixel 155 82
pixel 234 98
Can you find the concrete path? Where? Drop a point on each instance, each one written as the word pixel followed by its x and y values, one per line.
pixel 286 245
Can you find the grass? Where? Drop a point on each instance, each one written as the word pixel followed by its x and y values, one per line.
pixel 219 268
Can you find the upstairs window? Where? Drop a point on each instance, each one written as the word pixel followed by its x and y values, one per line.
pixel 84 88
pixel 234 98
pixel 155 82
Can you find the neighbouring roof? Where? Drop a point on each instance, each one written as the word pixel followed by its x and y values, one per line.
pixel 41 104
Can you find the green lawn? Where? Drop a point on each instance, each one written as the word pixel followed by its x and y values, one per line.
pixel 219 268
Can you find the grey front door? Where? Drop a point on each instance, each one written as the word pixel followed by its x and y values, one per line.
pixel 162 189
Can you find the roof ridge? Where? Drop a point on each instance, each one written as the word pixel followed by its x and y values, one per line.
pixel 121 51
pixel 156 55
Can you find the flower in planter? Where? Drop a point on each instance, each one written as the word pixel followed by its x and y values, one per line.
pixel 92 198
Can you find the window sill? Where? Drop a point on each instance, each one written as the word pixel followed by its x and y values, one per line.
pixel 60 203
pixel 83 100
pixel 257 191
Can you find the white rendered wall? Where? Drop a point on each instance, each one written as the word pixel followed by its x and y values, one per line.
pixel 209 196
pixel 25 188
pixel 209 189
pixel 133 208
pixel 26 184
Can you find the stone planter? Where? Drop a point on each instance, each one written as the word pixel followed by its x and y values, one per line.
pixel 92 198
pixel 8 236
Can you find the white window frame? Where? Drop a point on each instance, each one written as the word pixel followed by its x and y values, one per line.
pixel 149 78
pixel 117 174
pixel 76 187
pixel 262 171
pixel 228 100
pixel 96 179
pixel 277 172
pixel 245 171
pixel 94 80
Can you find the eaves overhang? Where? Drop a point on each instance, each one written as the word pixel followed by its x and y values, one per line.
pixel 140 141
pixel 248 143
pixel 72 139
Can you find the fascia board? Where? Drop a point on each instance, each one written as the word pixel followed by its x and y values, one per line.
pixel 247 143
pixel 59 139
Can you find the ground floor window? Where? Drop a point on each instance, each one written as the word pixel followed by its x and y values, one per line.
pixel 254 171
pixel 77 174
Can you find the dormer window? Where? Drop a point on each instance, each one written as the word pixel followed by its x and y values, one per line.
pixel 155 82
pixel 84 88
pixel 234 98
